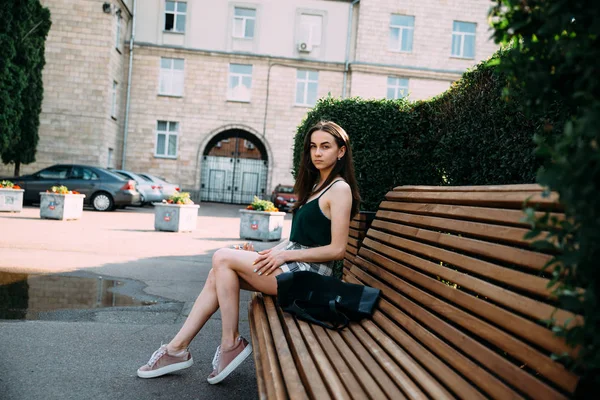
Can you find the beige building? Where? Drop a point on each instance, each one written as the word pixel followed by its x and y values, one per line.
pixel 218 87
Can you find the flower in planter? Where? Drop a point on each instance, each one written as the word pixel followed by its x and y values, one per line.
pixel 262 205
pixel 8 185
pixel 179 198
pixel 61 190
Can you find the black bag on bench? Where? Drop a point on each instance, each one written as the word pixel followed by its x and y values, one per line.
pixel 324 300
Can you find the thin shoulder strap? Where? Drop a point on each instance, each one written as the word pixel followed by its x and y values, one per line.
pixel 329 187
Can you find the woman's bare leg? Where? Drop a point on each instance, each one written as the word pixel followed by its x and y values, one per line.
pixel 204 307
pixel 231 267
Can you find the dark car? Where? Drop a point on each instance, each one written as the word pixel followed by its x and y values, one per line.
pixel 103 189
pixel 284 197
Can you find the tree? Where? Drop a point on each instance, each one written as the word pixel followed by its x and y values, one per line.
pixel 552 56
pixel 25 41
pixel 11 80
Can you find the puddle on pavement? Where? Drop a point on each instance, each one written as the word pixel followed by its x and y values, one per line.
pixel 27 296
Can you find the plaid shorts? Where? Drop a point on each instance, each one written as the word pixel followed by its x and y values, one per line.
pixel 320 268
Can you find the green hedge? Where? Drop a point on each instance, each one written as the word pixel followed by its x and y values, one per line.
pixel 387 150
pixel 470 135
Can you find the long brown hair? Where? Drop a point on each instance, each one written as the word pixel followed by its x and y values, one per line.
pixel 308 174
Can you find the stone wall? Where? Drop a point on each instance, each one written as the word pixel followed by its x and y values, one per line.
pixel 204 110
pixel 81 64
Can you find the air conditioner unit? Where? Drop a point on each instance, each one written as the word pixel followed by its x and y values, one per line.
pixel 304 47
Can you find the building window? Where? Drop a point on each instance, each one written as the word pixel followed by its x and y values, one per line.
pixel 463 39
pixel 175 16
pixel 311 30
pixel 244 20
pixel 167 133
pixel 401 32
pixel 118 38
pixel 307 84
pixel 397 88
pixel 240 82
pixel 113 104
pixel 171 77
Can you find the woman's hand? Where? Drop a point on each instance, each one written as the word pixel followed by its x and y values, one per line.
pixel 246 246
pixel 269 260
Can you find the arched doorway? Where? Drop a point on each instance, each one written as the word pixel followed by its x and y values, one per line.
pixel 234 168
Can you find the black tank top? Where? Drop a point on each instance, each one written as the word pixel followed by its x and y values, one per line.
pixel 310 227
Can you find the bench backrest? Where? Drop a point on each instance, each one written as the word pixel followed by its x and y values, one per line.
pixel 464 292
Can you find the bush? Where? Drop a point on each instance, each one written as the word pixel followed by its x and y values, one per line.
pixel 387 149
pixel 470 135
pixel 552 54
pixel 482 137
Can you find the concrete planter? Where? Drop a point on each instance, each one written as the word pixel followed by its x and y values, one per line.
pixel 61 206
pixel 175 217
pixel 11 200
pixel 261 225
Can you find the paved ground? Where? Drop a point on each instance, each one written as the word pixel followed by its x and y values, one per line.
pixel 94 353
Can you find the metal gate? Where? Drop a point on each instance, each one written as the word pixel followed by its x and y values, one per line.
pixel 232 180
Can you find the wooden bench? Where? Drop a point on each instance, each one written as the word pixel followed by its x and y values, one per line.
pixel 463 294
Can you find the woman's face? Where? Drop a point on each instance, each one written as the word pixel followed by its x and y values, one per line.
pixel 324 151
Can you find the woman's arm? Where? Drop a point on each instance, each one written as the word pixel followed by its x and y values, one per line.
pixel 339 200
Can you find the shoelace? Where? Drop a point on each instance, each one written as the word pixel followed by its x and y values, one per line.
pixel 215 361
pixel 157 355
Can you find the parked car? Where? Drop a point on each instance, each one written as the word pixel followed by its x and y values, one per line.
pixel 149 191
pixel 103 189
pixel 166 188
pixel 284 197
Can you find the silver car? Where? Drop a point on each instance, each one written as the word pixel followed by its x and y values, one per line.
pixel 166 188
pixel 103 189
pixel 149 191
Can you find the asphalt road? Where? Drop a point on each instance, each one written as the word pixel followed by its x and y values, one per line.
pixel 93 352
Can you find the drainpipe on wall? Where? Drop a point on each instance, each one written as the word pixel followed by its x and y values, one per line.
pixel 347 61
pixel 126 122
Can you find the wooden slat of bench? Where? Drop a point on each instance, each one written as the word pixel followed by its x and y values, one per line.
pixel 514 200
pixel 268 358
pixel 353 242
pixel 525 258
pixel 293 383
pixel 513 346
pixel 524 187
pixel 353 233
pixel 306 366
pixel 361 374
pixel 402 380
pixel 257 351
pixel 481 214
pixel 498 233
pixel 351 249
pixel 349 256
pixel 434 365
pixel 361 353
pixel 525 305
pixel 419 374
pixel 358 225
pixel 364 216
pixel 330 378
pixel 516 279
pixel 342 369
pixel 519 378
